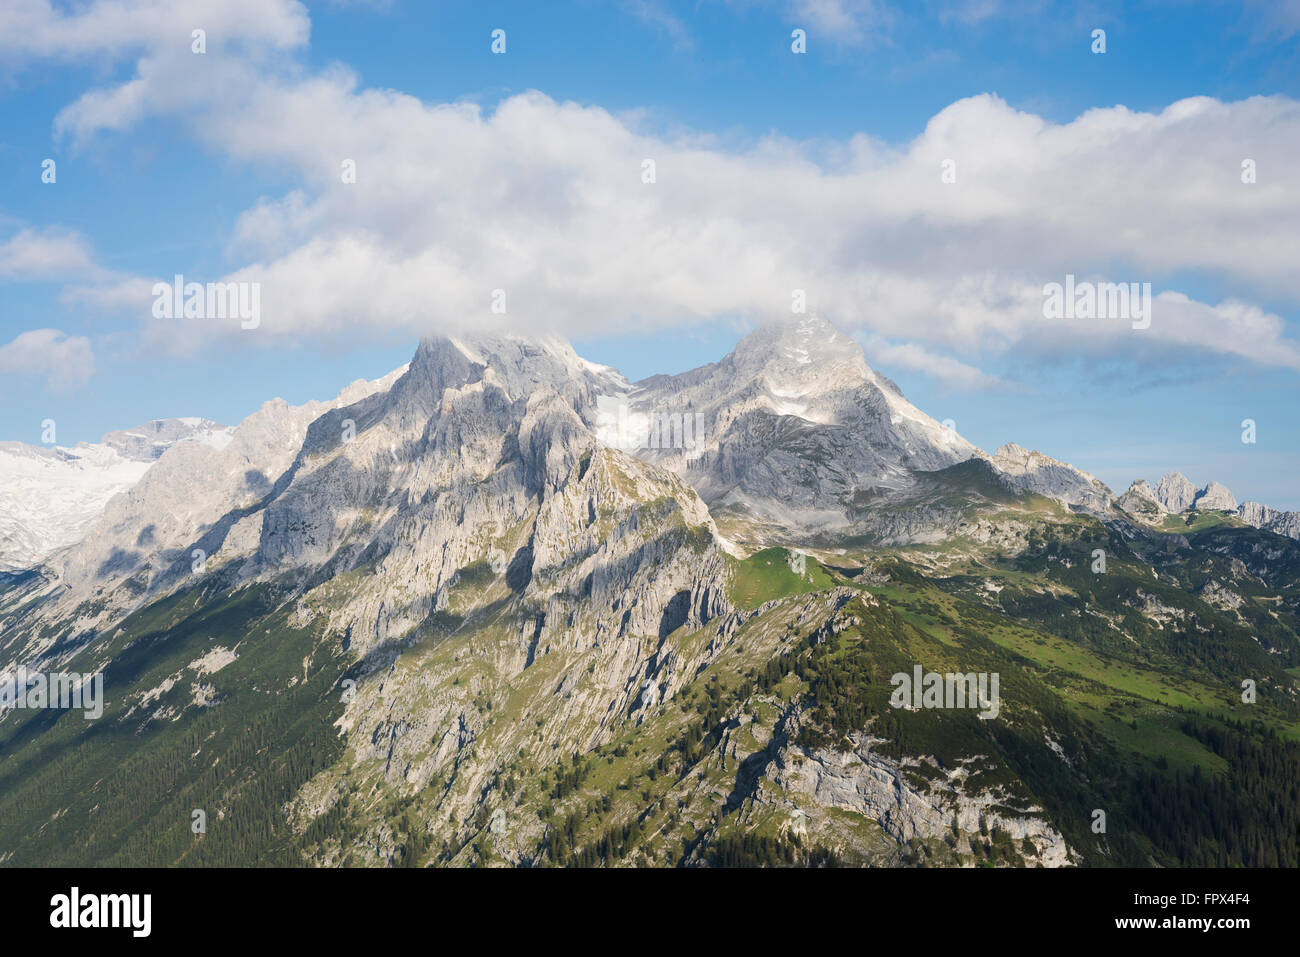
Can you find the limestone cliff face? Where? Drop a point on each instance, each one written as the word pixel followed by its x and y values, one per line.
pixel 793 426
pixel 1036 472
pixel 1141 502
pixel 1270 519
pixel 1215 497
pixel 1175 493
pixel 876 787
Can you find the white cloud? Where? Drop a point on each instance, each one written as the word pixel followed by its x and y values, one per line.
pixel 849 22
pixel 37 29
pixel 546 200
pixel 32 254
pixel 656 14
pixel 1275 20
pixel 915 358
pixel 65 361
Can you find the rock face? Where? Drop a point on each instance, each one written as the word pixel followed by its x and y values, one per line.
pixel 795 427
pixel 1215 496
pixel 872 785
pixel 49 495
pixel 1175 493
pixel 476 450
pixel 512 565
pixel 1270 519
pixel 1035 472
pixel 1140 501
pixel 184 501
pixel 794 432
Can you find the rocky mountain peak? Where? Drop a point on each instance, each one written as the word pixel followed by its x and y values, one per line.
pixel 1141 501
pixel 519 365
pixel 1215 496
pixel 1175 493
pixel 804 352
pixel 1142 489
pixel 1013 454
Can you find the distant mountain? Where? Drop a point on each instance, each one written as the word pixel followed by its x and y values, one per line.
pixel 797 434
pixel 1142 501
pixel 1270 519
pixel 48 494
pixel 145 443
pixel 1174 494
pixel 796 426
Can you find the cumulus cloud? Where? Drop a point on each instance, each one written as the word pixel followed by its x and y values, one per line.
pixel 65 361
pixel 548 201
pixel 657 15
pixel 32 254
pixel 843 22
pixel 37 29
pixel 915 358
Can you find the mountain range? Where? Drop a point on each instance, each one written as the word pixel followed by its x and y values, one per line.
pixel 503 606
pixel 51 493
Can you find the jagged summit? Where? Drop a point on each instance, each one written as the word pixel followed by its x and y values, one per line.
pixel 1175 493
pixel 1140 501
pixel 1215 496
pixel 793 428
pixel 796 428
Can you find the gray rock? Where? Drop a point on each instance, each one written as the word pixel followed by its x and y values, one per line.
pixel 1215 497
pixel 1038 473
pixel 1270 519
pixel 1175 493
pixel 1141 502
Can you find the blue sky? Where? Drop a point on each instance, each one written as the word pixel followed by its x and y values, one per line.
pixel 164 160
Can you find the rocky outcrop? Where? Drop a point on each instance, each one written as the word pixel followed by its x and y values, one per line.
pixel 1175 493
pixel 874 786
pixel 1043 475
pixel 1215 497
pixel 1270 519
pixel 1140 501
